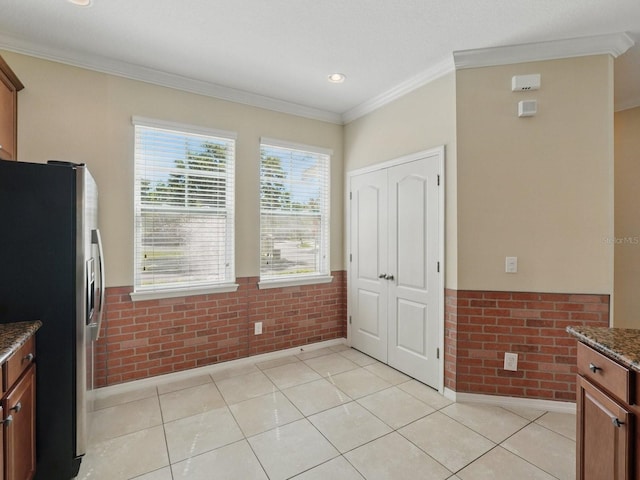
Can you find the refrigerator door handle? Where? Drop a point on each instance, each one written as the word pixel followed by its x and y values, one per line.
pixel 94 327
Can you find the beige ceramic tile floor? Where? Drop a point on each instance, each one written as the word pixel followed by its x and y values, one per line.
pixel 332 413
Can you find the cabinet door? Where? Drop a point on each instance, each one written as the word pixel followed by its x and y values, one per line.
pixel 604 435
pixel 9 87
pixel 7 119
pixel 2 443
pixel 19 435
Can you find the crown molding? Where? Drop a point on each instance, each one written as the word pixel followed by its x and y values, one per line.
pixel 614 44
pixel 415 82
pixel 165 79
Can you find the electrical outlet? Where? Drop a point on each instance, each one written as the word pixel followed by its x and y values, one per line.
pixel 511 361
pixel 511 265
pixel 257 329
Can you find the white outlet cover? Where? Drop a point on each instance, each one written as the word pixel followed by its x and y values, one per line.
pixel 511 361
pixel 258 328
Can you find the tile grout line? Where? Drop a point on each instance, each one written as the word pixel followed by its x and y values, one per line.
pixel 245 438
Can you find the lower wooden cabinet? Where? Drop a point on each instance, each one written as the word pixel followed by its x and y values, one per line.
pixel 604 435
pixel 2 442
pixel 19 428
pixel 608 440
pixel 18 414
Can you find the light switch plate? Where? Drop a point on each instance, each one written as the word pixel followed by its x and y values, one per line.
pixel 511 265
pixel 257 329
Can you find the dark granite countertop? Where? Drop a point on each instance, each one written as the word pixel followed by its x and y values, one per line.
pixel 14 335
pixel 621 344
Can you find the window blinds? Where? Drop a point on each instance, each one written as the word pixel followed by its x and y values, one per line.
pixel 184 206
pixel 294 210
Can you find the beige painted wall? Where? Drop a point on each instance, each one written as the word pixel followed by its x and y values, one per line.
pixel 420 120
pixel 79 115
pixel 627 219
pixel 538 188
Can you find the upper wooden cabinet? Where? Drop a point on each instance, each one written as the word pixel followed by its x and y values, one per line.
pixel 9 88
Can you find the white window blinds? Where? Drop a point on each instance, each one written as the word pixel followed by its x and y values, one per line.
pixel 184 206
pixel 294 210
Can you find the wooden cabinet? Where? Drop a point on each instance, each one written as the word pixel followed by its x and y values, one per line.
pixel 9 88
pixel 18 414
pixel 2 442
pixel 606 412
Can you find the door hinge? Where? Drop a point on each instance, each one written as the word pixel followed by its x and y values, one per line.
pixel 350 258
pixel 438 353
pixel 438 267
pixel 438 179
pixel 349 319
pixel 350 195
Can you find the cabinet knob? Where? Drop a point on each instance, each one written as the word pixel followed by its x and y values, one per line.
pixel 17 407
pixel 594 368
pixel 28 357
pixel 7 421
pixel 617 422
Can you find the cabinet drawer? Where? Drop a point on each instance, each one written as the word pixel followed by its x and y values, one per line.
pixel 605 372
pixel 18 362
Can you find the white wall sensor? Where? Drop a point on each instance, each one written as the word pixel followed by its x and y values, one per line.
pixel 524 83
pixel 527 108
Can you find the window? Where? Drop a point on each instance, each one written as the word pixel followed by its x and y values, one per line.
pixel 294 213
pixel 184 206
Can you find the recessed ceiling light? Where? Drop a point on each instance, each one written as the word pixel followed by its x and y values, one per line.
pixel 337 77
pixel 80 3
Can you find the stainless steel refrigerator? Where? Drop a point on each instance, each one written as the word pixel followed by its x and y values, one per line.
pixel 51 269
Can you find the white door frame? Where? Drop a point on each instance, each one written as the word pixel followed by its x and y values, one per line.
pixel 438 153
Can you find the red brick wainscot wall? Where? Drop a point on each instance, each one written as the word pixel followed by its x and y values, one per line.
pixel 153 337
pixel 480 326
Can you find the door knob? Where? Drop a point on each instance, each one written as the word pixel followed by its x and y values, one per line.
pixel 389 277
pixel 382 275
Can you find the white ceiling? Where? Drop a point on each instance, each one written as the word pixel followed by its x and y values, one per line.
pixel 278 53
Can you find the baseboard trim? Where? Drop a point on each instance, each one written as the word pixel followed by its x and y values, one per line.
pixel 449 394
pixel 108 391
pixel 516 402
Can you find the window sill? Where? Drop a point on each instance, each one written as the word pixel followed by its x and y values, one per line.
pixel 183 292
pixel 293 282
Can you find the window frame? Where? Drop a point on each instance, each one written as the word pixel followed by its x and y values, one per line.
pixel 228 284
pixel 304 279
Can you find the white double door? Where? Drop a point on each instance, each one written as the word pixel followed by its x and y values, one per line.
pixel 395 280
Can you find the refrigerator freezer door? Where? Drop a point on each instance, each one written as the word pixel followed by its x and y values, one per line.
pixel 38 280
pixel 86 255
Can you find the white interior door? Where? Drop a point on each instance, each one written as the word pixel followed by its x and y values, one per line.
pixel 414 291
pixel 395 284
pixel 369 297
